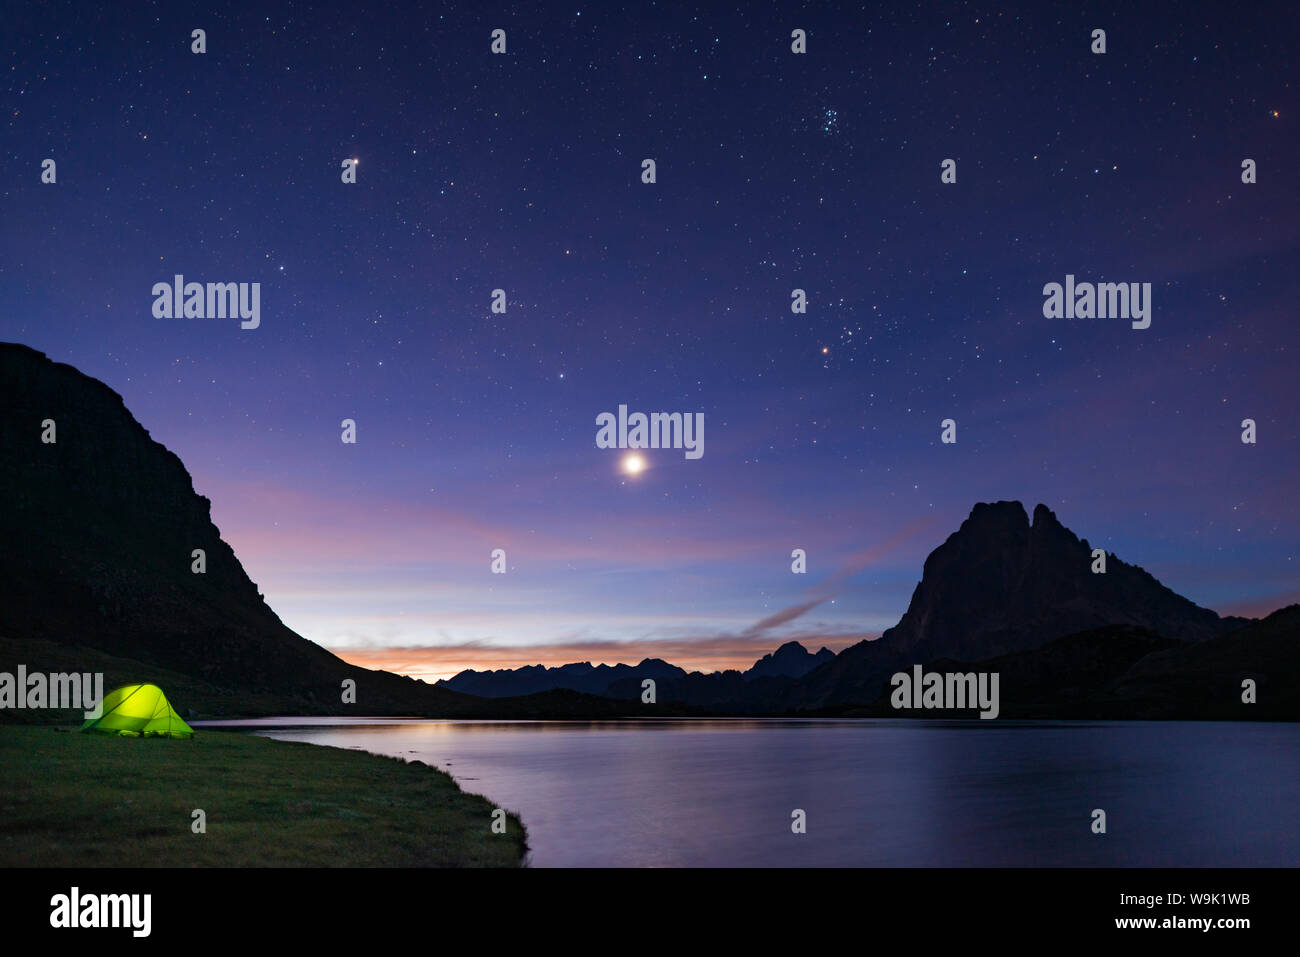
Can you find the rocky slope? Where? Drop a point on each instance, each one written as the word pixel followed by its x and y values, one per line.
pixel 1001 584
pixel 97 531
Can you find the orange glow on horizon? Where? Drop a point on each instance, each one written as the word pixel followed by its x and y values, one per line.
pixel 434 663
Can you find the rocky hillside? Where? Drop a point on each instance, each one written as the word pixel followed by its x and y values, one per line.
pixel 96 537
pixel 1001 584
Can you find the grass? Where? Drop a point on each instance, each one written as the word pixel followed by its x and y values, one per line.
pixel 80 800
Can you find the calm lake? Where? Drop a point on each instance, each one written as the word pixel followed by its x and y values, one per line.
pixel 876 793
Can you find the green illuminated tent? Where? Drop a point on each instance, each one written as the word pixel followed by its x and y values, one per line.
pixel 139 711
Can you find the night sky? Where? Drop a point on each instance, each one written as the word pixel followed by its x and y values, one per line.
pixel 775 171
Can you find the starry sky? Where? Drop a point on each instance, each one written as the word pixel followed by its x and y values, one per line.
pixel 775 171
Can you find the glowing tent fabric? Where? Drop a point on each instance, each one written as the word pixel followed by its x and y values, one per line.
pixel 139 711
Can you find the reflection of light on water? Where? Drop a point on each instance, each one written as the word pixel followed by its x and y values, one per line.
pixel 914 792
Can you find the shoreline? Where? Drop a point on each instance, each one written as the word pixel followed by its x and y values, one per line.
pixel 236 800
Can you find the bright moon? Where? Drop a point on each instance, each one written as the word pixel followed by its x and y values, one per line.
pixel 633 464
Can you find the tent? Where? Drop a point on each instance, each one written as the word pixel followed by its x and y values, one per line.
pixel 138 711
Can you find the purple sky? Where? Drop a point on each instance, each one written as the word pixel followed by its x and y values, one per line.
pixel 775 171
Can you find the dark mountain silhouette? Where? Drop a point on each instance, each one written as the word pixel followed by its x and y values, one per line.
pixel 96 540
pixel 1124 671
pixel 724 692
pixel 1000 584
pixel 791 660
pixel 1205 680
pixel 998 587
pixel 1056 680
pixel 1007 595
pixel 761 689
pixel 580 676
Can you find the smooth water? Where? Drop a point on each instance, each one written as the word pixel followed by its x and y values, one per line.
pixel 876 793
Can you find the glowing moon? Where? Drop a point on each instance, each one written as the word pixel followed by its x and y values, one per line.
pixel 633 464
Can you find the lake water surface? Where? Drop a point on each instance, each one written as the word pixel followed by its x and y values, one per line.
pixel 876 793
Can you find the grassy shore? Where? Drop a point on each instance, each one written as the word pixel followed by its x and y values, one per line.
pixel 79 800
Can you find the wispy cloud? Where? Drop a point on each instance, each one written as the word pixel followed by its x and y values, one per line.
pixel 826 589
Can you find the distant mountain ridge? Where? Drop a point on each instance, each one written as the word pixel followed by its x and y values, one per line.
pixel 791 660
pixel 578 676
